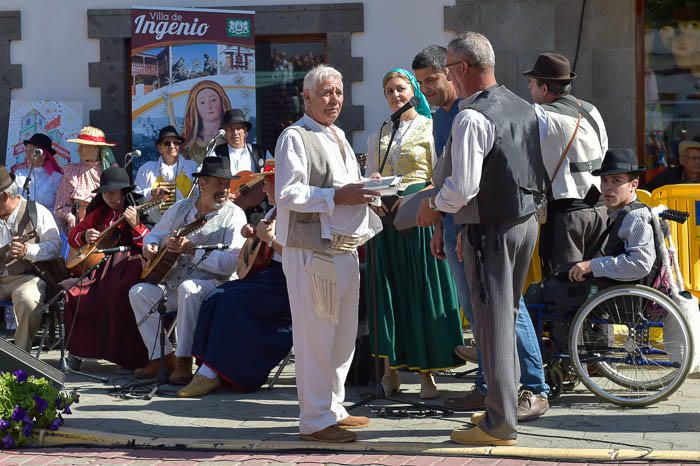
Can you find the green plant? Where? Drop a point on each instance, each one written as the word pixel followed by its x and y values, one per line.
pixel 29 403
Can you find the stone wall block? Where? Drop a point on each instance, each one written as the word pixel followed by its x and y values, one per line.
pixel 10 75
pixel 464 16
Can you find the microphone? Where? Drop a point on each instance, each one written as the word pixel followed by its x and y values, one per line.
pixel 111 250
pixel 406 107
pixel 212 247
pixel 38 152
pixel 135 153
pixel 219 136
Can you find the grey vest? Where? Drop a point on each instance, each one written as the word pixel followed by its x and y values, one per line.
pixel 305 227
pixel 513 174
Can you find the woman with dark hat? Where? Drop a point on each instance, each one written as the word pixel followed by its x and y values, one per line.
pixel 98 317
pixel 46 175
pixel 170 177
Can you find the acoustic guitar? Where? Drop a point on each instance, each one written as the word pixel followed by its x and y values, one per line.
pixel 247 189
pixel 159 267
pixel 254 254
pixel 85 257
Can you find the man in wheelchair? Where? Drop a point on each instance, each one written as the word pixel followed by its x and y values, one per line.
pixel 628 253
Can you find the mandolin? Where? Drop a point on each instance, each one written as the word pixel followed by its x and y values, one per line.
pixel 254 254
pixel 246 189
pixel 85 257
pixel 157 269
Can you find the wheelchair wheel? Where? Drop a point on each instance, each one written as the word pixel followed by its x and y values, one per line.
pixel 630 345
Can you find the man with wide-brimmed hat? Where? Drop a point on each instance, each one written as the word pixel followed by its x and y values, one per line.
pixel 687 172
pixel 242 155
pixel 629 253
pixel 224 221
pixel 45 174
pixel 19 281
pixel 98 309
pixel 573 146
pixel 170 177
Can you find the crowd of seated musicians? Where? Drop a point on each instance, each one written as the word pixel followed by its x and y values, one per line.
pixel 103 310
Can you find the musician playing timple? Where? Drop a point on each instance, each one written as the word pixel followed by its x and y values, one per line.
pixel 224 221
pixel 98 318
pixel 47 173
pixel 18 281
pixel 245 326
pixel 170 177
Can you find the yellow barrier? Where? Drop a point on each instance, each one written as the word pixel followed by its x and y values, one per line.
pixel 684 197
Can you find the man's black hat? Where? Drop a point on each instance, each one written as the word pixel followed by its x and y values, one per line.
pixel 114 179
pixel 41 140
pixel 619 161
pixel 235 115
pixel 552 67
pixel 215 166
pixel 167 132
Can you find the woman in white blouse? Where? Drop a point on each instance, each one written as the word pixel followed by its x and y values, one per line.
pixel 46 175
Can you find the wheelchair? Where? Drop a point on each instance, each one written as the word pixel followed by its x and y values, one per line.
pixel 628 343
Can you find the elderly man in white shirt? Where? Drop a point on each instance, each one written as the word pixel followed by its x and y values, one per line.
pixel 322 218
pixel 192 278
pixel 18 280
pixel 170 177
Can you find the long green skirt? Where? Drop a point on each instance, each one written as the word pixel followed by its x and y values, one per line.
pixel 416 301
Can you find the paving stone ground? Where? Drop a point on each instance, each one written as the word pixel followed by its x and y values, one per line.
pixel 170 458
pixel 577 420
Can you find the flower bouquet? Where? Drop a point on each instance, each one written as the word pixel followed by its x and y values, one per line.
pixel 28 404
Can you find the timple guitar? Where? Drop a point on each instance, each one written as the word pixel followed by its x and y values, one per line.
pixel 85 257
pixel 5 249
pixel 254 254
pixel 157 269
pixel 246 189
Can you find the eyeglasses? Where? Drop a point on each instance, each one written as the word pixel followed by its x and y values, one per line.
pixel 458 62
pixel 170 143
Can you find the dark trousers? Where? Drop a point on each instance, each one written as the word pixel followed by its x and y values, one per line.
pixel 496 259
pixel 570 237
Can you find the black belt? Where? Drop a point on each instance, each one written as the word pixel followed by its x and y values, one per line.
pixel 581 167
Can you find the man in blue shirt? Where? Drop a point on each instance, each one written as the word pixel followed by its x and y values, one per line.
pixel 430 68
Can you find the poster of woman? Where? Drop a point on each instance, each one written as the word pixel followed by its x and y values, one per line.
pixel 188 66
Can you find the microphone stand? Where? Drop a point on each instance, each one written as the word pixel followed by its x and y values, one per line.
pixel 28 180
pixel 60 300
pixel 424 409
pixel 160 307
pixel 211 145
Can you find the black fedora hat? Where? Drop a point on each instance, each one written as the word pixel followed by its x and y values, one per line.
pixel 41 140
pixel 619 161
pixel 114 179
pixel 219 167
pixel 552 67
pixel 6 178
pixel 235 115
pixel 168 132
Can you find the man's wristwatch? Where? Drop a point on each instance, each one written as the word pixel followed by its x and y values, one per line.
pixel 269 243
pixel 431 204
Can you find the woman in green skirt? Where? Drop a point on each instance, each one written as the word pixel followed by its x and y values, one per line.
pixel 417 314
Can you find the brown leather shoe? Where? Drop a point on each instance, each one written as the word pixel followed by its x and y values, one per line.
pixel 182 374
pixel 476 436
pixel 354 422
pixel 471 402
pixel 331 434
pixel 150 370
pixel 468 353
pixel 531 406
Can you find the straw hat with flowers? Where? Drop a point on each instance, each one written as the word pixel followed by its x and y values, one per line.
pixel 91 136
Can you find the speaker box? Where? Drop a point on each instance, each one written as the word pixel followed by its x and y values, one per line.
pixel 13 358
